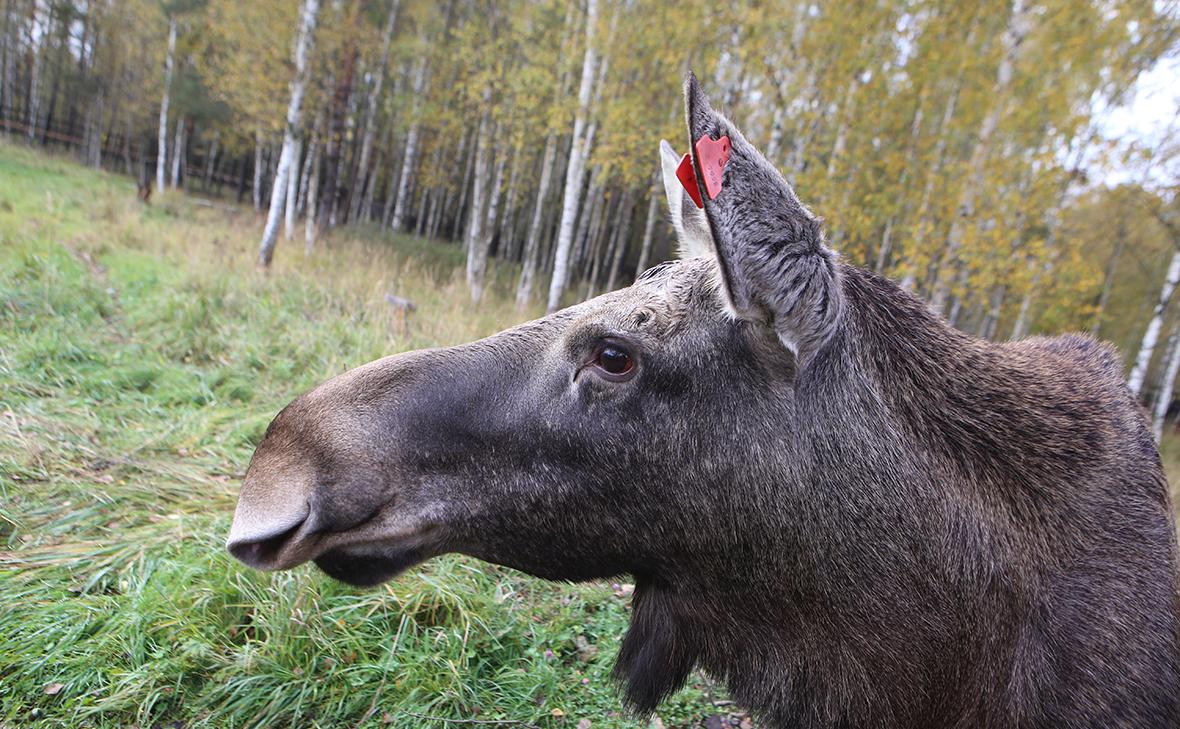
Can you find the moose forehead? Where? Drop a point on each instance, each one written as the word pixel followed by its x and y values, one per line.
pixel 663 300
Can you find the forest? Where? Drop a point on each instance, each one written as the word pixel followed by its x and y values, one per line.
pixel 956 147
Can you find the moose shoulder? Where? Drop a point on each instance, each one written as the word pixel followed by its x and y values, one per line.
pixel 853 514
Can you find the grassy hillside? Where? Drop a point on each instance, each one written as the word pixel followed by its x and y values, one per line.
pixel 141 357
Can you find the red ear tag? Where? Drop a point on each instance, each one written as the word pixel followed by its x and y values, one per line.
pixel 712 154
pixel 685 174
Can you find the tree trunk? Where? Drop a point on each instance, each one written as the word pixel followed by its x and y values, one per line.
pixel 649 228
pixel 573 177
pixel 532 246
pixel 474 235
pixel 169 60
pixel 291 199
pixel 1163 396
pixel 211 158
pixel 310 160
pixel 886 247
pixel 1108 278
pixel 8 58
pixel 1013 36
pixel 590 258
pixel 1151 336
pixel 363 177
pixel 310 224
pixel 288 161
pixel 411 156
pixel 1020 328
pixel 93 144
pixel 507 249
pixel 33 105
pixel 622 234
pixel 178 150
pixel 259 163
pixel 330 194
pixel 582 237
pixel 484 245
pixel 461 209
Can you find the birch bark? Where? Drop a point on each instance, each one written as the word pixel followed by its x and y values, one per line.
pixel 1163 398
pixel 303 43
pixel 573 177
pixel 1152 335
pixel 1011 41
pixel 169 61
pixel 366 179
pixel 532 246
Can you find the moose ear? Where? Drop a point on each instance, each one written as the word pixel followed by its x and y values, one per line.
pixel 692 230
pixel 770 250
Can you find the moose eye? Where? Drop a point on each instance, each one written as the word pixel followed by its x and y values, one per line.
pixel 614 363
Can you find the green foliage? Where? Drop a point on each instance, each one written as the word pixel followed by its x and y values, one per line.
pixel 140 361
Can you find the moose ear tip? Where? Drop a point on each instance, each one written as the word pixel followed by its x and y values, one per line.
pixel 692 88
pixel 696 105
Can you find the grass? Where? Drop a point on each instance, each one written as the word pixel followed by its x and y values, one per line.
pixel 141 358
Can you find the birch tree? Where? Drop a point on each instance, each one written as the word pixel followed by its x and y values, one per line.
pixel 411 156
pixel 577 159
pixel 1163 397
pixel 1152 334
pixel 303 44
pixel 532 246
pixel 364 177
pixel 1011 40
pixel 169 60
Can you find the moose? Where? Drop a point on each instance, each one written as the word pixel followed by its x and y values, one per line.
pixel 846 510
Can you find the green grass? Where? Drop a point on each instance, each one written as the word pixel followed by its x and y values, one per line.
pixel 141 358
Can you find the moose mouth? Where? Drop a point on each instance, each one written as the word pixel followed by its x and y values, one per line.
pixel 368 567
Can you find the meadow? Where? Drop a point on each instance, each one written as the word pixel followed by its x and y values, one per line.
pixel 141 358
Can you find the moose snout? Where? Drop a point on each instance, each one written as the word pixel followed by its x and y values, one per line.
pixel 273 536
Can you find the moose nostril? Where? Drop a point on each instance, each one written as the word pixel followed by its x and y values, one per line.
pixel 261 553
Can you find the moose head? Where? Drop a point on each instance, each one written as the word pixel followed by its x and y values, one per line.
pixel 828 498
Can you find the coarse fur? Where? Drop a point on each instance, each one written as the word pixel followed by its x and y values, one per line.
pixel 850 512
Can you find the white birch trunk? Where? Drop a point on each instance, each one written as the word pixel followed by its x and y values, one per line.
pixel 36 33
pixel 411 156
pixel 178 145
pixel 303 43
pixel 573 177
pixel 11 41
pixel 507 250
pixel 910 276
pixel 622 236
pixel 532 246
pixel 973 186
pixel 292 197
pixel 649 228
pixel 256 191
pixel 1108 280
pixel 366 153
pixel 310 224
pixel 211 158
pixel 1152 335
pixel 169 60
pixel 1163 398
pixel 311 159
pixel 474 239
pixel 1020 328
pixel 483 246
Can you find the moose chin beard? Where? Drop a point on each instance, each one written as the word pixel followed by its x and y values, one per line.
pixel 371 566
